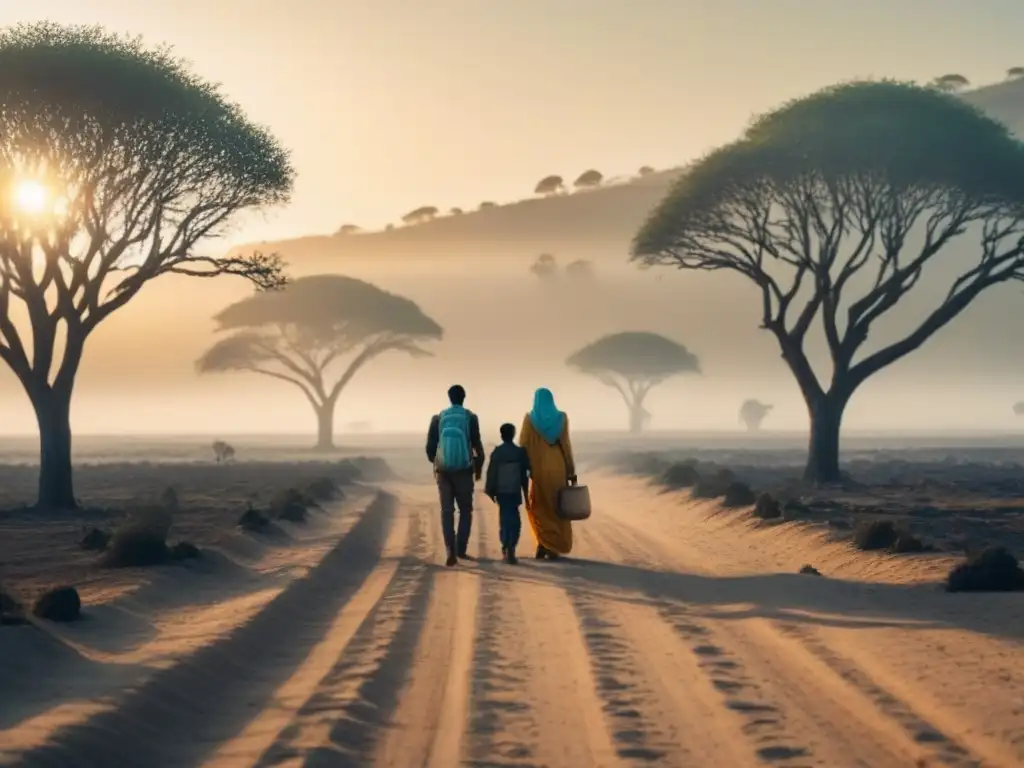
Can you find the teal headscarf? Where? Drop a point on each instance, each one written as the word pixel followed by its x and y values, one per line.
pixel 546 418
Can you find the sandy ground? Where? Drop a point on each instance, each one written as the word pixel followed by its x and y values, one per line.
pixel 676 635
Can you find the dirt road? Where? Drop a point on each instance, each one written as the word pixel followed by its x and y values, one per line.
pixel 648 648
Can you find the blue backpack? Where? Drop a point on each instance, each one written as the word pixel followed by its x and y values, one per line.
pixel 453 452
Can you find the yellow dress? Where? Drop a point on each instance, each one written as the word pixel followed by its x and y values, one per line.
pixel 548 474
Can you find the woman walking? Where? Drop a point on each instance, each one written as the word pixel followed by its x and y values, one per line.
pixel 545 438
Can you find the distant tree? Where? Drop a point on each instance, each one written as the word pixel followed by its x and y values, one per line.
pixel 816 206
pixel 389 227
pixel 223 453
pixel 581 269
pixel 304 333
pixel 545 266
pixel 753 412
pixel 1015 72
pixel 951 83
pixel 487 204
pixel 633 363
pixel 420 215
pixel 589 179
pixel 1018 409
pixel 129 162
pixel 549 185
pixel 645 170
pixel 349 229
pixel 456 212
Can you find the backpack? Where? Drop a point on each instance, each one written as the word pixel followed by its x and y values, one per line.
pixel 453 452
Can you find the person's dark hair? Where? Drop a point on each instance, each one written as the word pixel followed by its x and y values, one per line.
pixel 508 432
pixel 456 395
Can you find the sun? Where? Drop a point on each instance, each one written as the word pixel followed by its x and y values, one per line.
pixel 31 197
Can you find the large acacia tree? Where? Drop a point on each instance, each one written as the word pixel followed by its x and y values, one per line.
pixel 116 162
pixel 316 334
pixel 633 363
pixel 833 207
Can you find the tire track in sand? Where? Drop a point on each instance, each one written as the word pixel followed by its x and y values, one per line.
pixel 841 722
pixel 182 713
pixel 429 724
pixel 344 720
pixel 246 749
pixel 534 699
pixel 663 705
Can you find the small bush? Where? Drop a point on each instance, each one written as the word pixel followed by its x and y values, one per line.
pixel 907 543
pixel 94 540
pixel 140 541
pixel 767 507
pixel 253 520
pixel 185 550
pixel 323 489
pixel 713 486
pixel 60 604
pixel 738 494
pixel 874 535
pixel 992 570
pixel 679 475
pixel 11 610
pixel 169 500
pixel 810 570
pixel 291 505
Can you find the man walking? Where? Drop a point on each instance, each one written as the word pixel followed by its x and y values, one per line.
pixel 455 450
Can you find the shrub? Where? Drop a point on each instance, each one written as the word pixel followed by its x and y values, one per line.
pixel 738 494
pixel 60 604
pixel 94 540
pixel 185 550
pixel 372 469
pixel 907 543
pixel 992 570
pixel 291 505
pixel 140 541
pixel 680 475
pixel 323 489
pixel 711 487
pixel 874 535
pixel 810 570
pixel 169 500
pixel 767 507
pixel 253 520
pixel 11 610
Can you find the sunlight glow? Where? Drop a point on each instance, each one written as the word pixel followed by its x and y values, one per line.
pixel 31 197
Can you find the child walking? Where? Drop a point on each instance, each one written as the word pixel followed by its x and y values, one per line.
pixel 507 482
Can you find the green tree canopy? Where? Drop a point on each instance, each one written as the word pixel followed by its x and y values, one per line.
pixel 316 334
pixel 868 179
pixel 633 362
pixel 116 163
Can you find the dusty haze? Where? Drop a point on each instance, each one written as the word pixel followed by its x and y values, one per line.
pixel 643 84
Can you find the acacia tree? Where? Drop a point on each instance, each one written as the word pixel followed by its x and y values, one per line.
pixel 316 334
pixel 951 83
pixel 634 362
pixel 420 215
pixel 588 179
pixel 1013 73
pixel 645 170
pixel 116 162
pixel 549 185
pixel 834 206
pixel 753 413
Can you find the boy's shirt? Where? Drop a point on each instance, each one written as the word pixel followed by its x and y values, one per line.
pixel 508 472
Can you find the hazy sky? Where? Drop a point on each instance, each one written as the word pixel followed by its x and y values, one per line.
pixel 392 104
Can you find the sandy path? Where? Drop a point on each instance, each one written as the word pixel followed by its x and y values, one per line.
pixel 647 648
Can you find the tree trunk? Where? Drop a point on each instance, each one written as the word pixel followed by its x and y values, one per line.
pixel 325 427
pixel 823 452
pixel 56 480
pixel 636 419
